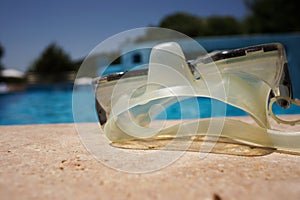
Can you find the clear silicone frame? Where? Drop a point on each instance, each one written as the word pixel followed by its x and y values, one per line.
pixel 246 78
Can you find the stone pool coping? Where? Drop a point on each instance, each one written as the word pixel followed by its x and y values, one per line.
pixel 49 162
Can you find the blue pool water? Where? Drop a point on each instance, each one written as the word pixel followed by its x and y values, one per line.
pixel 37 106
pixel 53 104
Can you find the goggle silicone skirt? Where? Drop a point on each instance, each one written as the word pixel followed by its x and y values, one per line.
pixel 250 78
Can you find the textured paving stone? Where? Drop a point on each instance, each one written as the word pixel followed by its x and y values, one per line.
pixel 50 162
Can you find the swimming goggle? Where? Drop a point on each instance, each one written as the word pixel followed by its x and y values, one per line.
pixel 250 78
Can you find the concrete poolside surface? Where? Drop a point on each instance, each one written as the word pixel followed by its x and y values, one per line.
pixel 50 162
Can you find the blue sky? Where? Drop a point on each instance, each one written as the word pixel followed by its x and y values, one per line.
pixel 27 27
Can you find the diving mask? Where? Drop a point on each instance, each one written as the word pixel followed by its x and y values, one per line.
pixel 250 78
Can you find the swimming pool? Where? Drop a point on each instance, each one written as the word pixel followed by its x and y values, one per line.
pixel 53 104
pixel 37 106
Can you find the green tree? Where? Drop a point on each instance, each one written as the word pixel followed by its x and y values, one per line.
pixel 1 55
pixel 185 23
pixel 271 16
pixel 218 25
pixel 52 61
pixel 53 65
pixel 195 26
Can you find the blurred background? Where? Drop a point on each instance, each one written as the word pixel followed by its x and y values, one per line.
pixel 43 43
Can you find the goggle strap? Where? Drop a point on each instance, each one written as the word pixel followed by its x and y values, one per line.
pixel 277 119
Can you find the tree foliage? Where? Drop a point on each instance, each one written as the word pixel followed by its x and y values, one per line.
pixel 270 16
pixel 1 51
pixel 217 25
pixel 52 61
pixel 265 16
pixel 195 26
pixel 185 23
pixel 1 55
